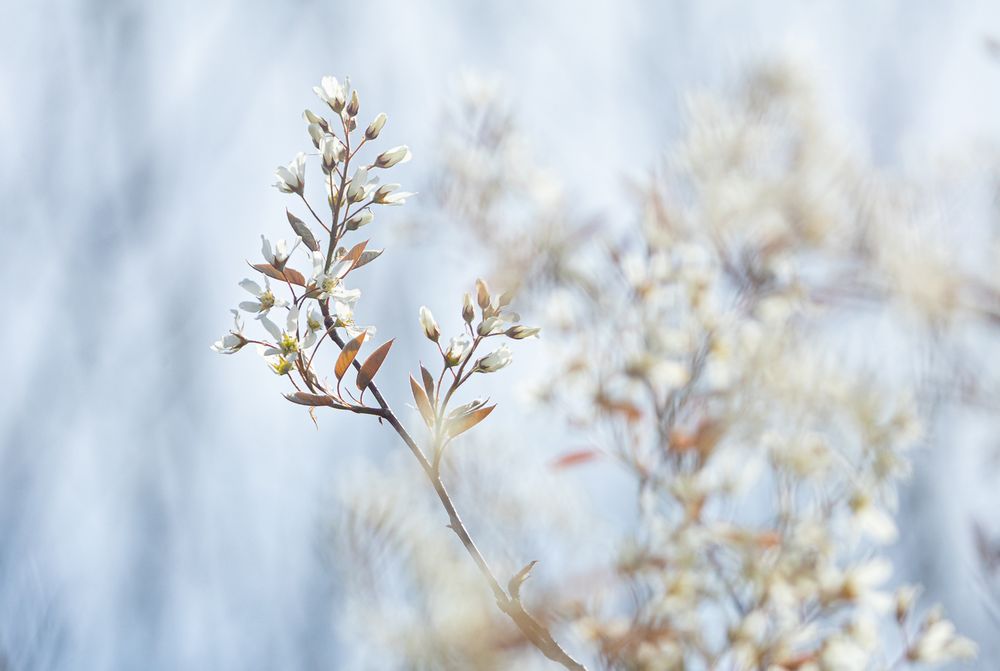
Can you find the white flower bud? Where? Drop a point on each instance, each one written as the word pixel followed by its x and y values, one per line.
pixel 333 151
pixel 354 106
pixel 387 195
pixel 316 133
pixel 394 156
pixel 521 332
pixel 495 360
pixel 316 119
pixel 375 127
pixel 468 309
pixel 430 326
pixel 356 191
pixel 360 219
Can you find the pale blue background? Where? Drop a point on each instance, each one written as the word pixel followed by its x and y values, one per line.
pixel 158 504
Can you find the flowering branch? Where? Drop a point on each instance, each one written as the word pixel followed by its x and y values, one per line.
pixel 283 352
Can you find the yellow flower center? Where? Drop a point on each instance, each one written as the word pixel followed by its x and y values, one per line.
pixel 288 343
pixel 283 366
pixel 266 300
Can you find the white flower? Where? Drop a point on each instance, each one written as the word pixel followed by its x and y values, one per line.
pixel 495 360
pixel 314 323
pixel 458 349
pixel 330 283
pixel 430 326
pixel 872 521
pixel 331 92
pixel 292 178
pixel 233 341
pixel 387 195
pixel 358 188
pixel 939 643
pixel 265 298
pixel 394 156
pixel 287 341
pixel 279 256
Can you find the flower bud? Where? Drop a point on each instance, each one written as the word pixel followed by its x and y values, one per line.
pixel 356 191
pixel 490 326
pixel 430 326
pixel 394 156
pixel 457 350
pixel 316 133
pixel 375 127
pixel 482 294
pixel 387 195
pixel 316 119
pixel 354 106
pixel 468 310
pixel 494 361
pixel 360 219
pixel 520 332
pixel 333 151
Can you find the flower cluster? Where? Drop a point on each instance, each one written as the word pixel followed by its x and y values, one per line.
pixel 318 303
pixel 697 355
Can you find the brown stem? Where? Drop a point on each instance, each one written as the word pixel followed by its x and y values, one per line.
pixel 533 630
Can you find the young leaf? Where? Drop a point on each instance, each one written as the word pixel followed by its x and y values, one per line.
pixel 368 257
pixel 355 254
pixel 423 404
pixel 460 425
pixel 428 382
pixel 302 398
pixel 372 364
pixel 301 230
pixel 288 274
pixel 348 353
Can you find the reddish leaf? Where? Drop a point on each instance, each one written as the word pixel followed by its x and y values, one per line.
pixel 288 274
pixel 371 365
pixel 354 256
pixel 575 458
pixel 347 354
pixel 423 403
pixel 460 425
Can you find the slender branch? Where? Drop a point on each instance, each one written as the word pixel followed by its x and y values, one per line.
pixel 533 630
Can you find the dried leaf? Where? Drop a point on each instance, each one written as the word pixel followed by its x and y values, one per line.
pixel 423 403
pixel 514 586
pixel 288 274
pixel 368 257
pixel 301 230
pixel 371 365
pixel 428 382
pixel 575 458
pixel 302 398
pixel 347 354
pixel 463 423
